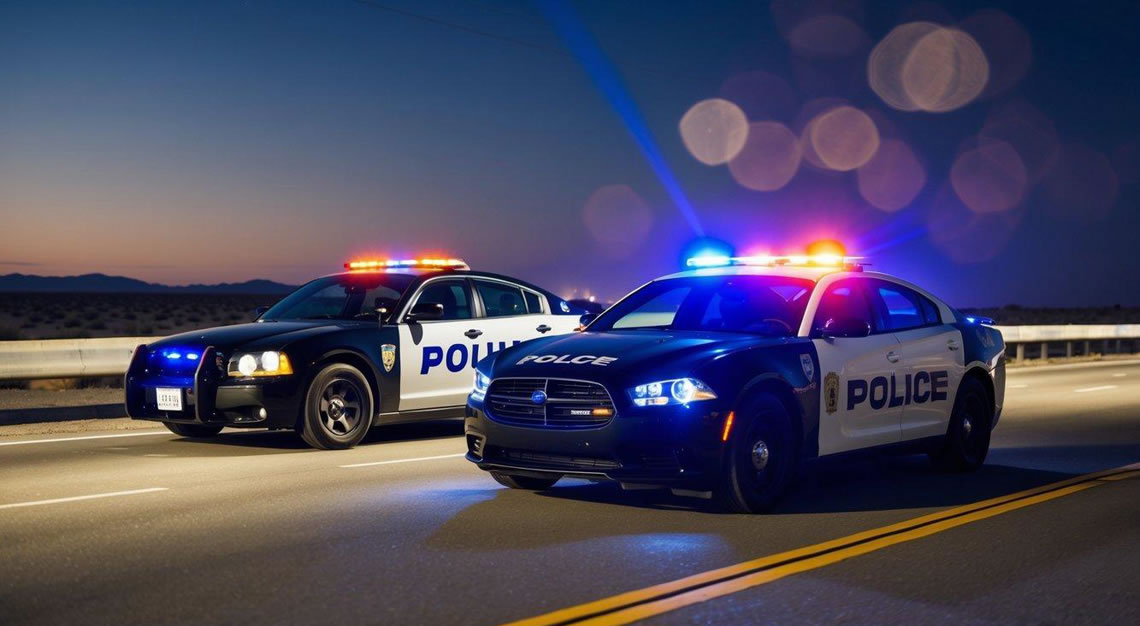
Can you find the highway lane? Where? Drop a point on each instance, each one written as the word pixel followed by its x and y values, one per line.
pixel 254 526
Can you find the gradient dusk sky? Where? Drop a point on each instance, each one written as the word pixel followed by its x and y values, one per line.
pixel 211 141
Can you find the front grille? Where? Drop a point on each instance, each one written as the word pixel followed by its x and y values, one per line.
pixel 569 403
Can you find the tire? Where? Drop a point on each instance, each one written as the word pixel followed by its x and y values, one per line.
pixel 338 408
pixel 762 459
pixel 967 439
pixel 530 483
pixel 193 430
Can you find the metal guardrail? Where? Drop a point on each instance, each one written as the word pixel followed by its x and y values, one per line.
pixel 67 358
pixel 109 356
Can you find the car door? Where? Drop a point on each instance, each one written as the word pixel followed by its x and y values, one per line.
pixel 509 316
pixel 931 353
pixel 435 355
pixel 857 373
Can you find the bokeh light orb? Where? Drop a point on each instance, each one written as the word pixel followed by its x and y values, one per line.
pixel 770 157
pixel 714 131
pixel 618 219
pixel 990 177
pixel 922 66
pixel 893 178
pixel 885 64
pixel 945 70
pixel 1082 185
pixel 844 138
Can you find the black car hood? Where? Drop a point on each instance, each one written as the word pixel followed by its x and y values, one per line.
pixel 644 352
pixel 239 335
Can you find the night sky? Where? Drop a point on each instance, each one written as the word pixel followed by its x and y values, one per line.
pixel 207 141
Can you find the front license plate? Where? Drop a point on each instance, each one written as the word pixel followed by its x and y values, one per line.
pixel 168 399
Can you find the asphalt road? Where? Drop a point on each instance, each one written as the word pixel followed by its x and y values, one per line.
pixel 254 527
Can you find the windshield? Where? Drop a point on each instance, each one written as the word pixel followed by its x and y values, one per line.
pixel 765 305
pixel 341 297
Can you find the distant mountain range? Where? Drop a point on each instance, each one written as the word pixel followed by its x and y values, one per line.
pixel 102 283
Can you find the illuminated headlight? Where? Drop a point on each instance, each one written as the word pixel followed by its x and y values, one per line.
pixel 681 391
pixel 259 364
pixel 482 382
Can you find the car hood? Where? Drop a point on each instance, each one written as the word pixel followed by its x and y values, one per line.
pixel 621 353
pixel 226 337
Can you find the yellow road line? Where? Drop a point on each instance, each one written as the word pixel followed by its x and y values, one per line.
pixel 643 603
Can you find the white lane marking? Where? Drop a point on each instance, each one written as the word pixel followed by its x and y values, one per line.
pixel 1100 388
pixel 422 458
pixel 1119 375
pixel 93 496
pixel 1016 386
pixel 21 443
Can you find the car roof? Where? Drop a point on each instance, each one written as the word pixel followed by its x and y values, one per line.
pixel 431 272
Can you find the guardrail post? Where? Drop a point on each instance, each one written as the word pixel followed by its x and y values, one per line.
pixel 1119 346
pixel 1020 352
pixel 1088 347
pixel 1068 349
pixel 1044 349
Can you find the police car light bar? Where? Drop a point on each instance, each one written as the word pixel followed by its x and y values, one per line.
pixel 852 263
pixel 453 264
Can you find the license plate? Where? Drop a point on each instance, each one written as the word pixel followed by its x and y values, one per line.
pixel 168 399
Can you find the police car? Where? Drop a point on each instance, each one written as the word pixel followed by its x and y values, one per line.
pixel 383 342
pixel 721 380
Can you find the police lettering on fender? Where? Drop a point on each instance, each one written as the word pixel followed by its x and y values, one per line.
pixel 919 388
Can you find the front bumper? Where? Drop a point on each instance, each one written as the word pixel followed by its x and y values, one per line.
pixel 657 447
pixel 210 397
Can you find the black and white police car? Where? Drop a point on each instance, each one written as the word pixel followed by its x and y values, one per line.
pixel 724 378
pixel 383 342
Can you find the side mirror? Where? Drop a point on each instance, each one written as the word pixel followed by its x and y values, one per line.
pixel 846 327
pixel 259 311
pixel 425 312
pixel 585 320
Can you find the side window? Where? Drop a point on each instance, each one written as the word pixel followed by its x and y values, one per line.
pixel 533 302
pixel 843 300
pixel 452 294
pixel 896 307
pixel 500 299
pixel 930 313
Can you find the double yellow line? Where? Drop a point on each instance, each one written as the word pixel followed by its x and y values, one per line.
pixel 644 603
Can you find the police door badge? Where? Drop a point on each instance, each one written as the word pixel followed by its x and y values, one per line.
pixel 388 356
pixel 808 365
pixel 831 393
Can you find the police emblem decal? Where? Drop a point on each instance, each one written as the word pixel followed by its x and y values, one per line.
pixel 808 365
pixel 831 392
pixel 388 356
pixel 538 397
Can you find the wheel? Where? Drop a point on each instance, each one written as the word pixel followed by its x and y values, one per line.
pixel 338 408
pixel 514 481
pixel 193 430
pixel 762 457
pixel 967 439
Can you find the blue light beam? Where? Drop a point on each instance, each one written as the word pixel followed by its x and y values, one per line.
pixel 586 50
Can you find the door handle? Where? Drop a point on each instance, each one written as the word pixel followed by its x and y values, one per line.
pixel 952 345
pixel 473 333
pixel 892 357
pixel 543 328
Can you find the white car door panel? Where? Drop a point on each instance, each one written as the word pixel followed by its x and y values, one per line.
pixel 858 401
pixel 933 370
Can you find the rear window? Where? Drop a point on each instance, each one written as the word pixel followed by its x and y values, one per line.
pixel 500 299
pixel 533 302
pixel 897 307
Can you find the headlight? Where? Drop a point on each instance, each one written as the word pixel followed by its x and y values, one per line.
pixel 676 391
pixel 482 382
pixel 259 364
